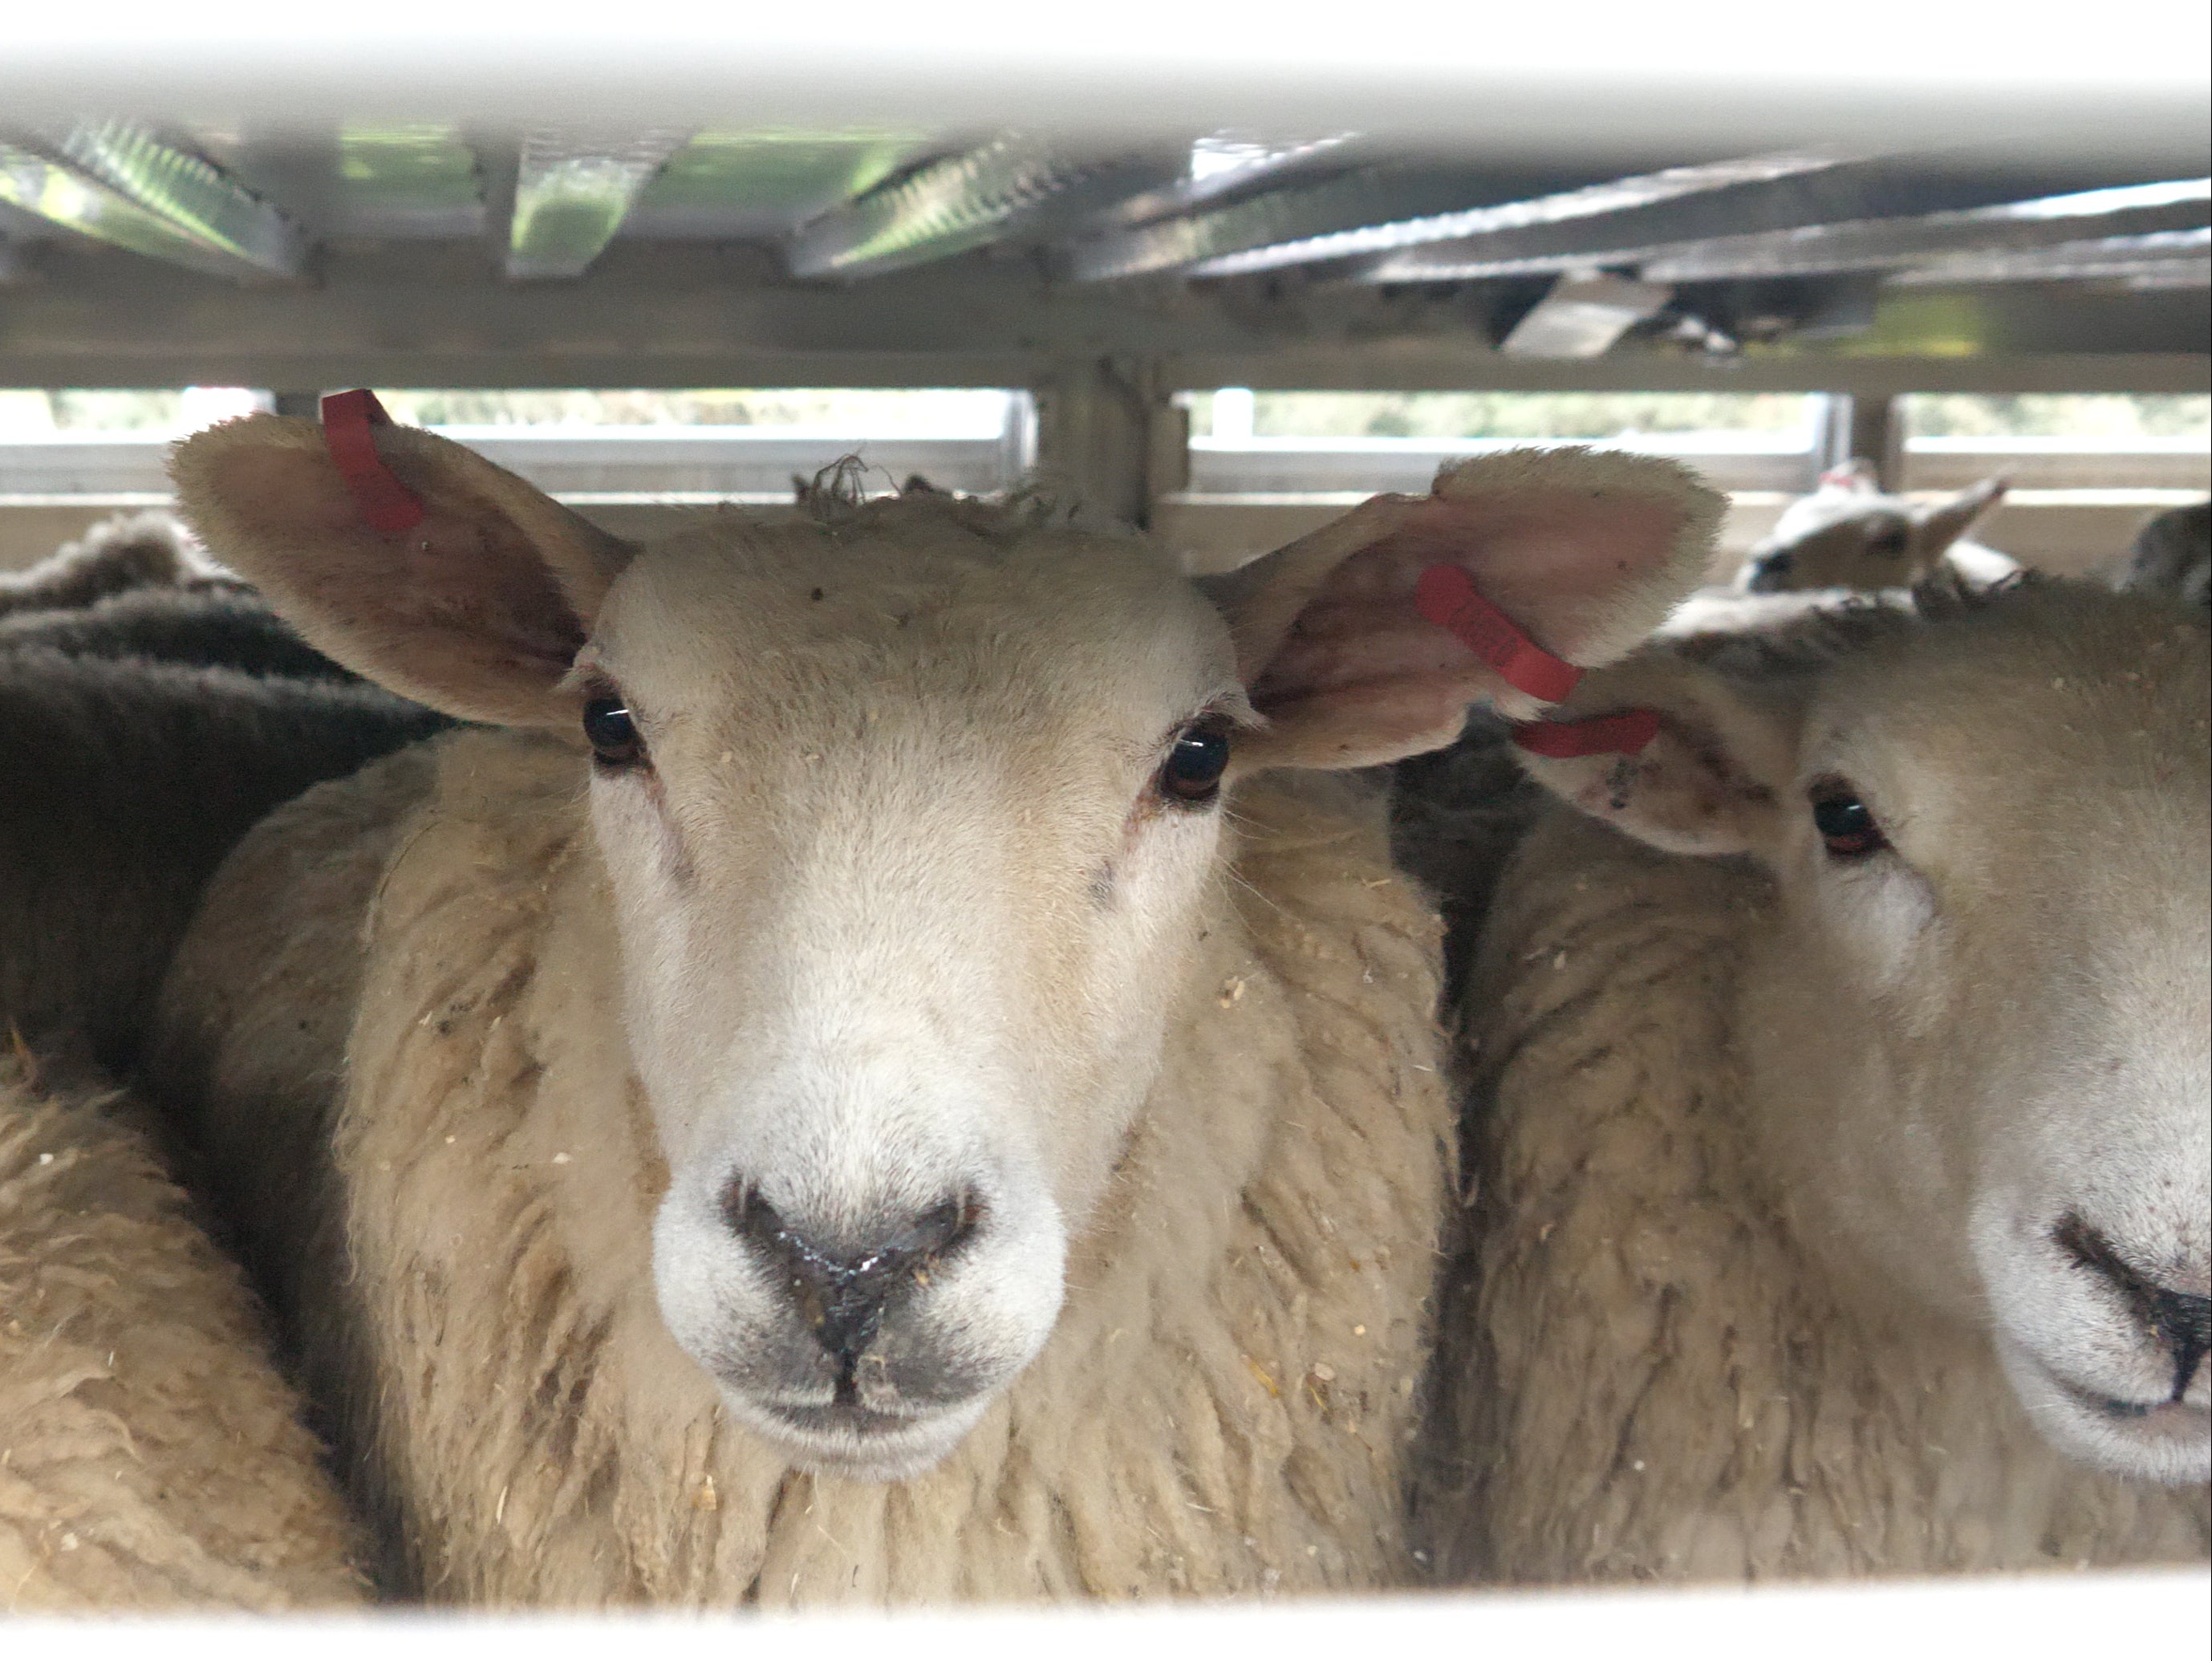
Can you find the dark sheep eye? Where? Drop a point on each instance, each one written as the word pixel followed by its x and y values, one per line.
pixel 1846 825
pixel 1192 773
pixel 614 736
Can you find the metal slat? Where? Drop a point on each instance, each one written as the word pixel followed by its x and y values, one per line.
pixel 961 202
pixel 1380 209
pixel 727 185
pixel 53 190
pixel 1845 192
pixel 2077 216
pixel 192 196
pixel 572 192
pixel 2162 259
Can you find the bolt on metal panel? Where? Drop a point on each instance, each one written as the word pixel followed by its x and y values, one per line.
pixel 572 192
pixel 2044 221
pixel 193 197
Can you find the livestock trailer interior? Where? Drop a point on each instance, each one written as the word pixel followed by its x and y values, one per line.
pixel 1216 276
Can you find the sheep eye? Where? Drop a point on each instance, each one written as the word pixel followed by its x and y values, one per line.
pixel 1846 825
pixel 615 741
pixel 1192 773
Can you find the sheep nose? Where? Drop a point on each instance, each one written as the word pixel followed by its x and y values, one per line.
pixel 1768 570
pixel 841 1290
pixel 2180 1321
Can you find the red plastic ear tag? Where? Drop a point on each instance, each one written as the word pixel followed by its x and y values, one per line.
pixel 1447 597
pixel 386 503
pixel 1622 734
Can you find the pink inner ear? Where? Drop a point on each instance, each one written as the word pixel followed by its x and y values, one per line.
pixel 1555 562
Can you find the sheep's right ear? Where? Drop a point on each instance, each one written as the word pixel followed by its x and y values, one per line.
pixel 478 609
pixel 1945 522
pixel 1710 782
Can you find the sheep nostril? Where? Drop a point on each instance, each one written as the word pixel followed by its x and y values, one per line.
pixel 2180 1322
pixel 841 1290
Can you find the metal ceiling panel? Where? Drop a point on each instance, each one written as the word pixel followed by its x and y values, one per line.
pixel 961 202
pixel 727 185
pixel 53 190
pixel 572 192
pixel 1864 244
pixel 1220 164
pixel 2160 258
pixel 1843 193
pixel 1384 208
pixel 196 199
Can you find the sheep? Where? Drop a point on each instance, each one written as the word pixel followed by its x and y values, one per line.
pixel 2173 556
pixel 829 1104
pixel 122 552
pixel 1836 1135
pixel 122 783
pixel 218 625
pixel 1848 534
pixel 150 1457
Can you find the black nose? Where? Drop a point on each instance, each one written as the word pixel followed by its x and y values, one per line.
pixel 1768 570
pixel 2181 1321
pixel 840 1290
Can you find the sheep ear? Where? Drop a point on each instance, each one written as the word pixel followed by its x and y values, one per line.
pixel 1710 782
pixel 477 610
pixel 1586 550
pixel 1945 522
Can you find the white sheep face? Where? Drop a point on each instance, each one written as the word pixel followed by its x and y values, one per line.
pixel 1977 1023
pixel 909 822
pixel 894 1002
pixel 1848 534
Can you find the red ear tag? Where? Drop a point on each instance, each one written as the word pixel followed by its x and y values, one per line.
pixel 1622 734
pixel 1447 597
pixel 386 503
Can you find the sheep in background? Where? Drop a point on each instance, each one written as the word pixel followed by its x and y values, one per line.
pixel 122 552
pixel 122 783
pixel 2173 556
pixel 834 1106
pixel 1849 534
pixel 1839 1132
pixel 218 625
pixel 150 1457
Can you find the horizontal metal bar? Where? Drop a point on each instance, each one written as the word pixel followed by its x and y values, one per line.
pixel 2176 257
pixel 1863 244
pixel 701 315
pixel 628 461
pixel 195 198
pixel 1303 466
pixel 961 202
pixel 573 191
pixel 1846 192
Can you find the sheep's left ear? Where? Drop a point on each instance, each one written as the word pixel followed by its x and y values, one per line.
pixel 1586 550
pixel 1944 523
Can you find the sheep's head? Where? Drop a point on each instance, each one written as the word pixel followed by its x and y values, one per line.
pixel 912 815
pixel 1975 1020
pixel 1849 535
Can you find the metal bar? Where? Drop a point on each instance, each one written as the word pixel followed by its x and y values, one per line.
pixel 1876 434
pixel 1847 191
pixel 193 197
pixel 1806 250
pixel 572 192
pixel 2177 259
pixel 54 191
pixel 700 315
pixel 1380 209
pixel 960 201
